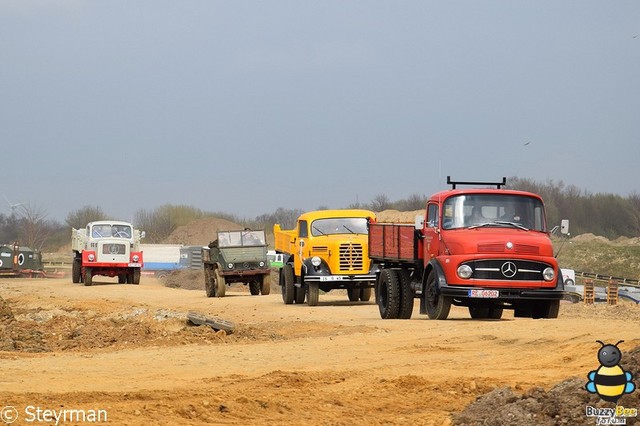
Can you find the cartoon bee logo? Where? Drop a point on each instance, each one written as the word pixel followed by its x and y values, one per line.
pixel 610 381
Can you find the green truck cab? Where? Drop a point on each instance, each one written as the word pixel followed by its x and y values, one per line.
pixel 236 257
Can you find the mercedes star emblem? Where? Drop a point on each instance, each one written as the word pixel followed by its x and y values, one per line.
pixel 509 269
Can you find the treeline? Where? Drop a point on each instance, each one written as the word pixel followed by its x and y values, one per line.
pixel 608 215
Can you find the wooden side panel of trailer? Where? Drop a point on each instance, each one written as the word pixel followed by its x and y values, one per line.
pixel 392 241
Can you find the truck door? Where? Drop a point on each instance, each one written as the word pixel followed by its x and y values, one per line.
pixel 303 234
pixel 431 233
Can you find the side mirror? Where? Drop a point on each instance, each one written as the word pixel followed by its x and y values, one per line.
pixel 564 226
pixel 142 234
pixel 419 222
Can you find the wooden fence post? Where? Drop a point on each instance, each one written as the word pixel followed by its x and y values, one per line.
pixel 588 294
pixel 612 292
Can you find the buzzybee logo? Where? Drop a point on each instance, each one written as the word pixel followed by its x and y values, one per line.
pixel 610 381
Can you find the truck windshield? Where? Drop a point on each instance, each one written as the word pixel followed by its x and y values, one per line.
pixel 493 210
pixel 108 231
pixel 339 225
pixel 241 238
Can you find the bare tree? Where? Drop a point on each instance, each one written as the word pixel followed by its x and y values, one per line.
pixel 79 218
pixel 380 203
pixel 34 228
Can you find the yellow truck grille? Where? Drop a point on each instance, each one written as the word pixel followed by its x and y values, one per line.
pixel 351 257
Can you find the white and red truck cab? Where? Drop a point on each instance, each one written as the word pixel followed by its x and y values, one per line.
pixel 108 248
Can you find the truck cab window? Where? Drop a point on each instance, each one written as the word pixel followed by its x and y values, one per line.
pixel 302 229
pixel 432 216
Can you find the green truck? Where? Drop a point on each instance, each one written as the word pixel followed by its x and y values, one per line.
pixel 236 257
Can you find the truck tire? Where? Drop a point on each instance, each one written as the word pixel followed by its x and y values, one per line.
pixel 209 283
pixel 300 295
pixel 287 278
pixel 313 293
pixel 254 288
pixel 438 306
pixel 220 283
pixel 365 294
pixel 354 294
pixel 546 309
pixel 388 294
pixel 406 295
pixel 76 271
pixel 88 279
pixel 265 285
pixel 479 312
pixel 122 278
pixel 135 276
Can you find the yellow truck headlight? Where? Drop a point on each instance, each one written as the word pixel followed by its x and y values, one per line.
pixel 316 261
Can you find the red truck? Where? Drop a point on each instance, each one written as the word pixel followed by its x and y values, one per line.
pixel 487 249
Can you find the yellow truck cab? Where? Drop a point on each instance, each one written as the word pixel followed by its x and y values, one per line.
pixel 328 249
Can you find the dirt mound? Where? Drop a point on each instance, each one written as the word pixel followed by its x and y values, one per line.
pixel 200 232
pixel 72 328
pixel 588 238
pixel 395 216
pixel 565 403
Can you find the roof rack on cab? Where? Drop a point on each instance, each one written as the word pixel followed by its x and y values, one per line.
pixel 454 183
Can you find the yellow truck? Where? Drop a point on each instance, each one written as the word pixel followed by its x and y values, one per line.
pixel 327 250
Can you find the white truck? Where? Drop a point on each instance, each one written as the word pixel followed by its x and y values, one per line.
pixel 108 248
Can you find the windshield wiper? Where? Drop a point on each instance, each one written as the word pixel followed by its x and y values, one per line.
pixel 347 228
pixel 515 225
pixel 480 225
pixel 319 231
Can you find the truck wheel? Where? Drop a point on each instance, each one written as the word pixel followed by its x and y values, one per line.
pixel 354 294
pixel 406 295
pixel 254 288
pixel 135 276
pixel 365 294
pixel 265 285
pixel 122 278
pixel 76 271
pixel 546 309
pixel 438 306
pixel 209 283
pixel 495 313
pixel 287 277
pixel 88 279
pixel 479 312
pixel 220 283
pixel 300 294
pixel 388 294
pixel 313 293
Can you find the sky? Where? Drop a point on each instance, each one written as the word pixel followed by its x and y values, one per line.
pixel 244 107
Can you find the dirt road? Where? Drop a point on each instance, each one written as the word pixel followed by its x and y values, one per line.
pixel 128 350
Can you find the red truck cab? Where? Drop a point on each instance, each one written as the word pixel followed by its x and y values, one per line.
pixel 486 249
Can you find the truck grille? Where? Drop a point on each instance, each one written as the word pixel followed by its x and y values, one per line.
pixel 500 248
pixel 114 249
pixel 507 269
pixel 351 257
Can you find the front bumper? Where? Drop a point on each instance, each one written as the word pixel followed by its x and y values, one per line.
pixel 504 294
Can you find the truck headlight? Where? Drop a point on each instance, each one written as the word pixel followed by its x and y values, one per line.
pixel 464 271
pixel 316 261
pixel 261 264
pixel 91 257
pixel 136 258
pixel 548 274
pixel 230 266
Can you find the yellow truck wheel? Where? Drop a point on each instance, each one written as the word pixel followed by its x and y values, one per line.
pixel 288 289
